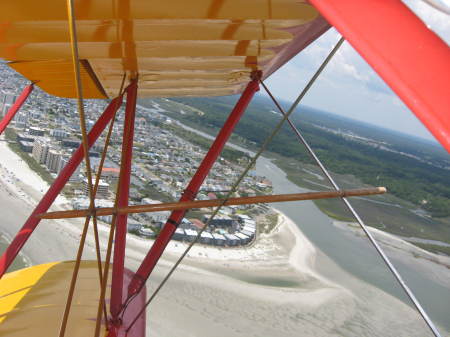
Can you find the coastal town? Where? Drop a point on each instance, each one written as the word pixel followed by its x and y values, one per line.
pixel 285 270
pixel 225 168
pixel 42 133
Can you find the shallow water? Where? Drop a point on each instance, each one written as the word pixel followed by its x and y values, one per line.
pixel 353 254
pixel 356 255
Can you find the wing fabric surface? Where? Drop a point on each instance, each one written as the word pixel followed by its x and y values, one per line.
pixel 32 301
pixel 178 47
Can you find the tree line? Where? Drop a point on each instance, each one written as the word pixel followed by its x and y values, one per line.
pixel 421 183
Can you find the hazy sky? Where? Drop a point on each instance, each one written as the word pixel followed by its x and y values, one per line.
pixel 348 86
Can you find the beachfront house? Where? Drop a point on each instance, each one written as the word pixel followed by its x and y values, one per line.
pixel 190 234
pixel 146 232
pixel 219 239
pixel 244 238
pixel 232 240
pixel 251 235
pixel 206 238
pixel 179 234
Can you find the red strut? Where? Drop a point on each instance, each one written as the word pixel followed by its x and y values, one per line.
pixel 21 238
pixel 15 107
pixel 412 59
pixel 122 201
pixel 191 191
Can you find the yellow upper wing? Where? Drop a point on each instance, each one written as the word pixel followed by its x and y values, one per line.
pixel 178 47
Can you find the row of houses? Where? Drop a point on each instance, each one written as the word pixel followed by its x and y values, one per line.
pixel 231 240
pixel 247 225
pixel 239 238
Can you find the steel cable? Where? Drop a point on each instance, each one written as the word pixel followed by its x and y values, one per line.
pixel 241 177
pixel 361 223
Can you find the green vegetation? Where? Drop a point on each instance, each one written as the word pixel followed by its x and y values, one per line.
pixel 385 212
pixel 333 209
pixel 11 137
pixel 267 222
pixel 433 248
pixel 372 165
pixel 149 191
pixel 228 153
pixel 416 181
pixel 194 214
pixel 69 189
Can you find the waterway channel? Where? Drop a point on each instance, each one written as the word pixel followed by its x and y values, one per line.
pixel 353 254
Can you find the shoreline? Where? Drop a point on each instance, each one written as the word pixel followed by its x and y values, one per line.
pixel 214 282
pixel 273 161
pixel 438 266
pixel 19 180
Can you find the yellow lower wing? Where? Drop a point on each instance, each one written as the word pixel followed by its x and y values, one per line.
pixel 32 300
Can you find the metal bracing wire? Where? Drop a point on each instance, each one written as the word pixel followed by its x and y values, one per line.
pixel 105 273
pixel 99 171
pixel 92 189
pixel 109 251
pixel 241 177
pixel 117 282
pixel 115 106
pixel 97 181
pixel 79 90
pixel 384 257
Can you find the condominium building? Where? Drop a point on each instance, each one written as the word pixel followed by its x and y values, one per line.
pixel 7 99
pixel 102 191
pixel 58 133
pixel 53 160
pixel 40 150
pixel 36 131
pixel 75 177
pixel 111 173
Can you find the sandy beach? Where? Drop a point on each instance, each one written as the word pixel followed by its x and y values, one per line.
pixel 272 288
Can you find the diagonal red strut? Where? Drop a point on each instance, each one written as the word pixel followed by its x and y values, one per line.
pixel 22 236
pixel 15 107
pixel 191 191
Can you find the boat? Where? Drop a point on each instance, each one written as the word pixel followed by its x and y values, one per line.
pixel 121 49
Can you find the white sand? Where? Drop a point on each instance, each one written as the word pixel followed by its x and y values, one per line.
pixel 221 292
pixel 14 172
